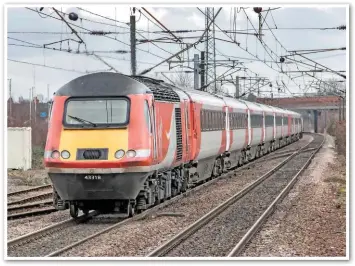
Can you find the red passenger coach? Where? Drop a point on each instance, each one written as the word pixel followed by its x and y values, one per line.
pixel 120 143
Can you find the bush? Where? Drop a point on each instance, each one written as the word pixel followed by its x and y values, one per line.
pixel 340 135
pixel 37 157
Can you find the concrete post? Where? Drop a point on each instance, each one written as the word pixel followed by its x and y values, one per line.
pixel 202 67
pixel 237 87
pixel 133 45
pixel 196 70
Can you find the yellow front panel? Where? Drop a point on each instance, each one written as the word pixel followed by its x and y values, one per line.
pixel 112 139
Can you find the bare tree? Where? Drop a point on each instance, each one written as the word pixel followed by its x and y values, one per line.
pixel 183 79
pixel 332 87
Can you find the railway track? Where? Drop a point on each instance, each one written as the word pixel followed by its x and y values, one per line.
pixel 226 230
pixel 53 241
pixel 25 191
pixel 29 195
pixel 31 209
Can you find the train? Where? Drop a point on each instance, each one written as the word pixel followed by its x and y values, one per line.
pixel 121 144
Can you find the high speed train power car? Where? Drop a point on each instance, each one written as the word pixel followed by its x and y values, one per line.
pixel 120 143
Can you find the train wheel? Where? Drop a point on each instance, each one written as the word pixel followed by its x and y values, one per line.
pixel 74 211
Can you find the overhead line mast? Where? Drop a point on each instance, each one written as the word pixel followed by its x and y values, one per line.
pixel 210 49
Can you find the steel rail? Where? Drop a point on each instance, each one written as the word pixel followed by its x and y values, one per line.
pixel 31 213
pixel 41 208
pixel 280 155
pixel 173 242
pixel 47 230
pixel 28 190
pixel 30 205
pixel 149 211
pixel 44 195
pixel 251 232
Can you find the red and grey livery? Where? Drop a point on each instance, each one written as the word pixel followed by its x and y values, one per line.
pixel 158 142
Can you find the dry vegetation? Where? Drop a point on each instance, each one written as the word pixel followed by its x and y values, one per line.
pixel 338 130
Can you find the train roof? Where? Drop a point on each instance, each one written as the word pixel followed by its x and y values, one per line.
pixel 116 84
pixel 103 84
pixel 235 103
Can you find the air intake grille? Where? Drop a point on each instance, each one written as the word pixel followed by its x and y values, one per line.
pixel 164 94
pixel 92 154
pixel 161 91
pixel 178 134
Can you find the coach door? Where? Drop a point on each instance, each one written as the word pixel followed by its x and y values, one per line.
pixel 153 119
pixel 187 129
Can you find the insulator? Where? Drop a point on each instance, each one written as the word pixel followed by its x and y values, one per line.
pixel 73 16
pixel 257 9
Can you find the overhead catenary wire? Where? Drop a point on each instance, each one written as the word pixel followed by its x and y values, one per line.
pixel 35 44
pixel 92 13
pixel 82 41
pixel 72 51
pixel 277 40
pixel 183 50
pixel 256 59
pixel 104 36
pixel 247 50
pixel 88 53
pixel 57 68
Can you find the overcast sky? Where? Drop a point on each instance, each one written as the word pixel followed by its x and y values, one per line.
pixel 25 76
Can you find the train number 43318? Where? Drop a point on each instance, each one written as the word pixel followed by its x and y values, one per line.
pixel 92 177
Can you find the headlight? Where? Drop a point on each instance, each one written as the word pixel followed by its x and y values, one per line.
pixel 119 154
pixel 55 154
pixel 131 153
pixel 65 154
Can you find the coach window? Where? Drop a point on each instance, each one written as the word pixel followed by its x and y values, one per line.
pixel 215 127
pixel 208 120
pixel 212 121
pixel 205 120
pixel 230 121
pixel 222 120
pixel 218 120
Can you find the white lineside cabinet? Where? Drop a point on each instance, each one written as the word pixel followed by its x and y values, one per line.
pixel 19 148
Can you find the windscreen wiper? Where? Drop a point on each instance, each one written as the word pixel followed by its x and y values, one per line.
pixel 82 120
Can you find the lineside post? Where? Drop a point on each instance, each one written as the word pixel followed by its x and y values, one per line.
pixel 196 70
pixel 133 44
pixel 237 87
pixel 202 67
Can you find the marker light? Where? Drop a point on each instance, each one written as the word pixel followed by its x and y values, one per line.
pixel 65 154
pixel 119 154
pixel 131 153
pixel 55 155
